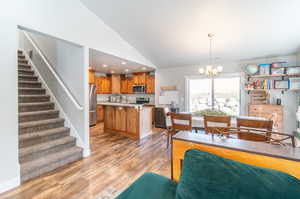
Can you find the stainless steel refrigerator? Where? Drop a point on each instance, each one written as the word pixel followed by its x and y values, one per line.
pixel 93 105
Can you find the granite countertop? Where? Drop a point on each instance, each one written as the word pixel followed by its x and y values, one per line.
pixel 120 104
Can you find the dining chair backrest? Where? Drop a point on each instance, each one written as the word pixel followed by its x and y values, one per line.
pixel 181 121
pixel 254 130
pixel 216 124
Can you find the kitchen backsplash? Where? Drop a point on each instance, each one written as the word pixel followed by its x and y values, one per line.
pixel 131 98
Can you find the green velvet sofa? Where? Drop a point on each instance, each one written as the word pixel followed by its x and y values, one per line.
pixel 208 176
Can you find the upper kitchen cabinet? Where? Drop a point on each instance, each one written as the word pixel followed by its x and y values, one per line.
pixel 124 85
pixel 115 84
pixel 130 83
pixel 139 78
pixel 92 79
pixel 103 84
pixel 150 84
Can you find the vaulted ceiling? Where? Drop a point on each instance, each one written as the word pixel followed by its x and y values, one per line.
pixel 174 32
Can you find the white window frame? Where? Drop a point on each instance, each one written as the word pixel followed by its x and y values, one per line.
pixel 221 75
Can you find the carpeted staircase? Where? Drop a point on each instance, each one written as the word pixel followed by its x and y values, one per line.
pixel 44 142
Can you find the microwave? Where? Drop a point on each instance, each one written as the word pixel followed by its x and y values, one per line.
pixel 139 89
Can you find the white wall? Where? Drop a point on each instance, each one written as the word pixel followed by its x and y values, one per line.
pixel 176 76
pixel 68 20
pixel 298 58
pixel 9 166
pixel 72 21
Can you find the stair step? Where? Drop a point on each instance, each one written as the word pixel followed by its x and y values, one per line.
pixel 21 56
pixel 34 126
pixel 38 115
pixel 38 137
pixel 38 106
pixel 50 162
pixel 22 61
pixel 24 66
pixel 36 151
pixel 30 84
pixel 32 91
pixel 27 78
pixel 33 98
pixel 20 52
pixel 25 72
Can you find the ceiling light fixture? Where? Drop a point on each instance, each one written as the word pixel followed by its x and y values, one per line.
pixel 104 65
pixel 123 63
pixel 112 71
pixel 144 68
pixel 126 70
pixel 210 69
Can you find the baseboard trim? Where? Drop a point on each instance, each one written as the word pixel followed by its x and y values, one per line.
pixel 86 152
pixel 10 184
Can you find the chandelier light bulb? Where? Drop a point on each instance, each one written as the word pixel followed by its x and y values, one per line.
pixel 220 68
pixel 201 70
pixel 209 67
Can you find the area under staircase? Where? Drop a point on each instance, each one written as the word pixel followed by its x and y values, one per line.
pixel 44 142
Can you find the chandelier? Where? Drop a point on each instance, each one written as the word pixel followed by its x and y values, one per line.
pixel 210 70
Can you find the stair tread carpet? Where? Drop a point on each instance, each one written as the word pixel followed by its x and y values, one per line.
pixel 40 122
pixel 44 133
pixel 50 162
pixel 46 145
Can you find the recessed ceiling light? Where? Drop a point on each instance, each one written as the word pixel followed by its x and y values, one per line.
pixel 144 68
pixel 104 65
pixel 123 63
pixel 112 71
pixel 126 70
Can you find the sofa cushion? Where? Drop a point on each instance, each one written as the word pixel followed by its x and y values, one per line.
pixel 206 175
pixel 150 186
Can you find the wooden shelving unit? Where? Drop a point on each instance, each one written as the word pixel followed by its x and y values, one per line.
pixel 269 76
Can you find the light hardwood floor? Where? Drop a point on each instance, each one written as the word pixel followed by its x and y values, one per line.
pixel 115 162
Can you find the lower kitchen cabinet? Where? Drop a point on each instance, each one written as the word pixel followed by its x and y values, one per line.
pixel 120 118
pixel 100 113
pixel 109 117
pixel 132 122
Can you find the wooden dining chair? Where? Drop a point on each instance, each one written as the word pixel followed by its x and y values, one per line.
pixel 180 122
pixel 216 124
pixel 254 130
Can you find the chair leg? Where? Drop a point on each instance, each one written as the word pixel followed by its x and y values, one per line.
pixel 168 140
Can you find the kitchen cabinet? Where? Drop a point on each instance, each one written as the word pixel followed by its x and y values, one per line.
pixel 130 83
pixel 109 117
pixel 150 84
pixel 115 84
pixel 120 119
pixel 100 113
pixel 92 79
pixel 139 78
pixel 103 84
pixel 132 121
pixel 124 85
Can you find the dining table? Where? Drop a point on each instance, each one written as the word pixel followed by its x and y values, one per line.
pixel 198 121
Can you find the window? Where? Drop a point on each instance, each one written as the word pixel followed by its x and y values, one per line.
pixel 220 93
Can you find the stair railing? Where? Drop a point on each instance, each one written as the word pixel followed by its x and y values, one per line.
pixel 62 84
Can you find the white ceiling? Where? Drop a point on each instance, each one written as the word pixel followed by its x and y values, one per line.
pixel 106 63
pixel 174 32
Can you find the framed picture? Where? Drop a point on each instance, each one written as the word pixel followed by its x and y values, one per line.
pixel 281 84
pixel 264 69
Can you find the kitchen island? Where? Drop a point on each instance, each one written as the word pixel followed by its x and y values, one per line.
pixel 130 120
